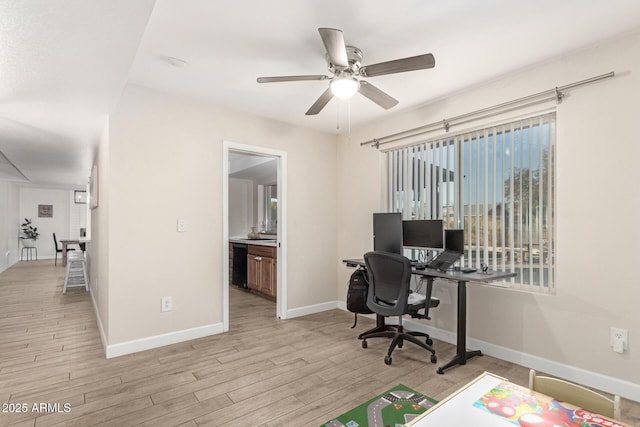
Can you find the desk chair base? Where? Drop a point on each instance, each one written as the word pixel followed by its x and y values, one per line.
pixel 380 327
pixel 398 335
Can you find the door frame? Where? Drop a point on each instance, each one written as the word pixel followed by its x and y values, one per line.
pixel 281 246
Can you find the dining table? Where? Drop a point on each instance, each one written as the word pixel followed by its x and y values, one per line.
pixel 66 242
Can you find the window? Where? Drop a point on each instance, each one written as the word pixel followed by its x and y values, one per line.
pixel 495 183
pixel 268 211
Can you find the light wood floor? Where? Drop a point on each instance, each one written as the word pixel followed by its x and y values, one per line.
pixel 264 372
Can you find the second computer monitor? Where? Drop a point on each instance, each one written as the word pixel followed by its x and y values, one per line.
pixel 387 232
pixel 422 234
pixel 454 240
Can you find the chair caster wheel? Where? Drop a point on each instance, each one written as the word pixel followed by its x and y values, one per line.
pixel 364 344
pixel 429 341
pixel 434 359
pixel 387 360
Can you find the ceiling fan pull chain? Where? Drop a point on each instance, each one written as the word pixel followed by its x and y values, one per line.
pixel 349 116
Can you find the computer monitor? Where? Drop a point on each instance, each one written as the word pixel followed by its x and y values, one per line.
pixel 387 232
pixel 422 234
pixel 454 240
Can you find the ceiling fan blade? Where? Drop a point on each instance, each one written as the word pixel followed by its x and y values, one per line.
pixel 377 96
pixel 291 78
pixel 412 63
pixel 334 44
pixel 320 103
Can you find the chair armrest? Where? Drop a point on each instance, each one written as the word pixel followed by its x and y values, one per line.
pixel 414 310
pixel 433 302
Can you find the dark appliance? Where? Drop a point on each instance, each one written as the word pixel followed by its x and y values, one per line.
pixel 239 272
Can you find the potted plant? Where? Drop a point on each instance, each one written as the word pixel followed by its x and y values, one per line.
pixel 29 232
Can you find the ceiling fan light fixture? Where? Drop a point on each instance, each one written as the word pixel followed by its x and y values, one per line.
pixel 344 62
pixel 344 87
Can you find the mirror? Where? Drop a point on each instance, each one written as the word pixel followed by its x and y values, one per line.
pixel 269 222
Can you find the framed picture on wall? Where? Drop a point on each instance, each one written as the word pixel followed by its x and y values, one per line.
pixel 45 211
pixel 93 187
pixel 80 197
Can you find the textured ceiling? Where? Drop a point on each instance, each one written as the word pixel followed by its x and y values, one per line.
pixel 63 63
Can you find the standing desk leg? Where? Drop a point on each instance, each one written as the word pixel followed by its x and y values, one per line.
pixel 461 349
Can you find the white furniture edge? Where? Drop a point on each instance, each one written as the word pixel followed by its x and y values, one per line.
pixel 454 394
pixel 595 380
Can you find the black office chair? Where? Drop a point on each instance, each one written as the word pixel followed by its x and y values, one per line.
pixel 389 279
pixel 58 249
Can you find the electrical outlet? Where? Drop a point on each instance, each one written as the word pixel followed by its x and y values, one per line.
pixel 7 253
pixel 182 225
pixel 619 340
pixel 167 304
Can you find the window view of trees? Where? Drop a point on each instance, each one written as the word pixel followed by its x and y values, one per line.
pixel 497 184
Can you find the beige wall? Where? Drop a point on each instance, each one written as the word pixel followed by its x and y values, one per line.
pixel 98 249
pixel 241 207
pixel 9 224
pixel 597 207
pixel 165 162
pixel 162 161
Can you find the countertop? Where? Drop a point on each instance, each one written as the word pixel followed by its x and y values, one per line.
pixel 258 242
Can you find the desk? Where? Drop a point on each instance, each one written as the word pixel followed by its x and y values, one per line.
pixel 67 242
pixel 490 400
pixel 462 278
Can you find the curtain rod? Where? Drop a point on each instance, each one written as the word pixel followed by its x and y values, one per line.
pixel 556 93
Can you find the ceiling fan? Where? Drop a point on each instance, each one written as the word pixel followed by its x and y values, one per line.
pixel 344 62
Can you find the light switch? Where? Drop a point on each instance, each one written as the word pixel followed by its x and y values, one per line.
pixel 182 225
pixel 167 304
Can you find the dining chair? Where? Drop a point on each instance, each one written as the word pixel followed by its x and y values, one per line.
pixel 574 394
pixel 59 249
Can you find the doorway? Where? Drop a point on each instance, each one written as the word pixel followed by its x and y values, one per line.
pixel 254 157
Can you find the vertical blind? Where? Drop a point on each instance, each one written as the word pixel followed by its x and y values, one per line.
pixel 497 184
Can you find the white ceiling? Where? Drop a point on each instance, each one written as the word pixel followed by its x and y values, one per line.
pixel 254 167
pixel 63 63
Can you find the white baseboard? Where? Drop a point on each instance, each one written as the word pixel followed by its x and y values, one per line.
pixel 40 258
pixel 595 380
pixel 103 336
pixel 134 346
pixel 148 343
pixel 8 265
pixel 312 309
pixel 605 383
